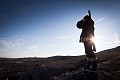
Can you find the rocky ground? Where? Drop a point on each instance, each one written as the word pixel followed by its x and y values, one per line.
pixel 61 67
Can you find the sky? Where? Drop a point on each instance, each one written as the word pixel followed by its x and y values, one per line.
pixel 45 28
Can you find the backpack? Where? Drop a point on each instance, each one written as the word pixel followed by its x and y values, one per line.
pixel 80 24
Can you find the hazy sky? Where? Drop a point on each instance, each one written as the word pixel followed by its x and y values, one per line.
pixel 46 28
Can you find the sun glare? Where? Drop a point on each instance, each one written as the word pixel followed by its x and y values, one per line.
pixel 93 39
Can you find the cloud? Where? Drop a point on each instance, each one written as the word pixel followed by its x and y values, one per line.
pixel 106 22
pixel 100 19
pixel 33 48
pixel 3 53
pixel 6 44
pixel 112 42
pixel 109 22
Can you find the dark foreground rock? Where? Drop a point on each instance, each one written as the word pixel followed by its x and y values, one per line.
pixel 81 74
pixel 61 67
pixel 40 73
pixel 49 73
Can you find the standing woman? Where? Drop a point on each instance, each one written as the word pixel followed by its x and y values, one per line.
pixel 87 26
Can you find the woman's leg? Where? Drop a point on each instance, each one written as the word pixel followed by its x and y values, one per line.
pixel 91 58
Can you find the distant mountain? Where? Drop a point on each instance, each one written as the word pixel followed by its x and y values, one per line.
pixel 61 67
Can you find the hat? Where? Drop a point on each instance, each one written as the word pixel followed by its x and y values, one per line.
pixel 86 17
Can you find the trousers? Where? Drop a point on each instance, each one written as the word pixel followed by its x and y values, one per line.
pixel 89 50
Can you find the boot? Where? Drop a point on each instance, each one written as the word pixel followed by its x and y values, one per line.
pixel 87 66
pixel 93 65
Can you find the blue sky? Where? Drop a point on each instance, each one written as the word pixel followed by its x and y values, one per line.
pixel 46 28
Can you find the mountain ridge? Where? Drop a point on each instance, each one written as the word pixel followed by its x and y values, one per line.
pixel 56 67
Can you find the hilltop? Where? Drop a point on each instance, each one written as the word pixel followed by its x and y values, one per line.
pixel 61 67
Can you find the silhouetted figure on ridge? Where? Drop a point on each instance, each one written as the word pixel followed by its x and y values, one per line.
pixel 87 26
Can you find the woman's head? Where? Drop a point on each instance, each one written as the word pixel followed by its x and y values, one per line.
pixel 86 17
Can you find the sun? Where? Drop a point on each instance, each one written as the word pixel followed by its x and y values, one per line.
pixel 96 40
pixel 93 39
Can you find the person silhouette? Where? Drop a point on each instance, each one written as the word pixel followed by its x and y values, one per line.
pixel 87 26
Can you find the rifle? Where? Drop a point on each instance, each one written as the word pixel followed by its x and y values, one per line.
pixel 89 13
